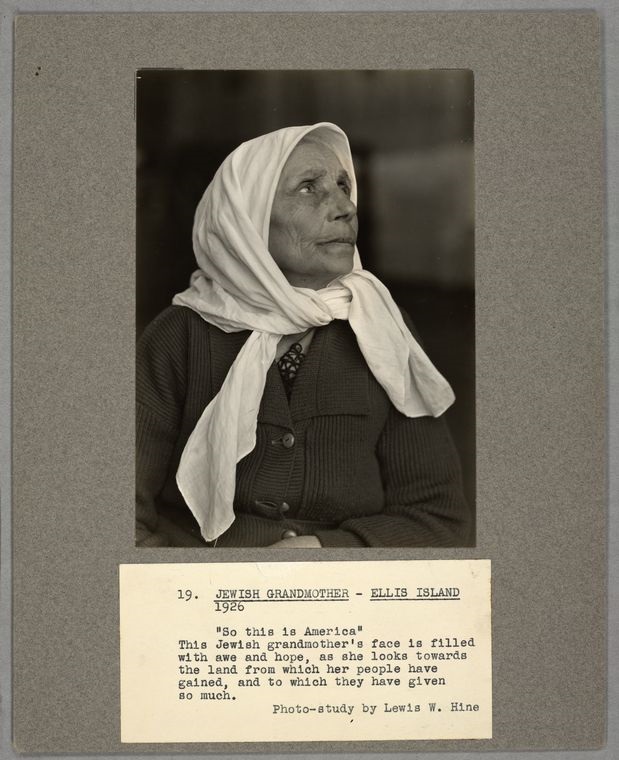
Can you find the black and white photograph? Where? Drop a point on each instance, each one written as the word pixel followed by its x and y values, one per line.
pixel 305 316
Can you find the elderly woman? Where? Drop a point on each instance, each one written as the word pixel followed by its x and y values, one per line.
pixel 282 400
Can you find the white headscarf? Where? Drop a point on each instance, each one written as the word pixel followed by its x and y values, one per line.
pixel 239 287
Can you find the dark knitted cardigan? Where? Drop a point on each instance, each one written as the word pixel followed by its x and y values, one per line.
pixel 338 461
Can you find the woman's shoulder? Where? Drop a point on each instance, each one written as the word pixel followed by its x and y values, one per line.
pixel 176 326
pixel 171 337
pixel 173 319
pixel 180 330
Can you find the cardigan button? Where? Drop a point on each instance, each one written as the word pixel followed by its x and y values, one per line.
pixel 288 440
pixel 289 534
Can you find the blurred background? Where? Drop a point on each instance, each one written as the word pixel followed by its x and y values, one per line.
pixel 411 134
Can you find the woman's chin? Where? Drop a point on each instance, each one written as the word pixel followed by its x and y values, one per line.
pixel 338 258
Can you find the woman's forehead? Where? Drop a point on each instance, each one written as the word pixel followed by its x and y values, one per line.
pixel 314 156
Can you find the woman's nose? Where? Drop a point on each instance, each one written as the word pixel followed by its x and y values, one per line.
pixel 343 207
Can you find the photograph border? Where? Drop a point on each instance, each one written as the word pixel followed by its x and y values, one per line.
pixel 179 153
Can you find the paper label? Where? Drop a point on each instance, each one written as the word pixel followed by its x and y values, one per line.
pixel 305 651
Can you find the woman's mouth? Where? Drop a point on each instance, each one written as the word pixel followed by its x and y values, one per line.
pixel 338 241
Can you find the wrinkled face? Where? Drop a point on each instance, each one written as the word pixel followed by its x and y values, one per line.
pixel 313 227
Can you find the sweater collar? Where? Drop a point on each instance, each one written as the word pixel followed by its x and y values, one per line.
pixel 333 379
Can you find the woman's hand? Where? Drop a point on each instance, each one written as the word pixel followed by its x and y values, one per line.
pixel 298 542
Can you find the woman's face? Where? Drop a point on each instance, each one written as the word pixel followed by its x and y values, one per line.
pixel 313 227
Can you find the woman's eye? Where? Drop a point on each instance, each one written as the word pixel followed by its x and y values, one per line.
pixel 345 187
pixel 308 187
